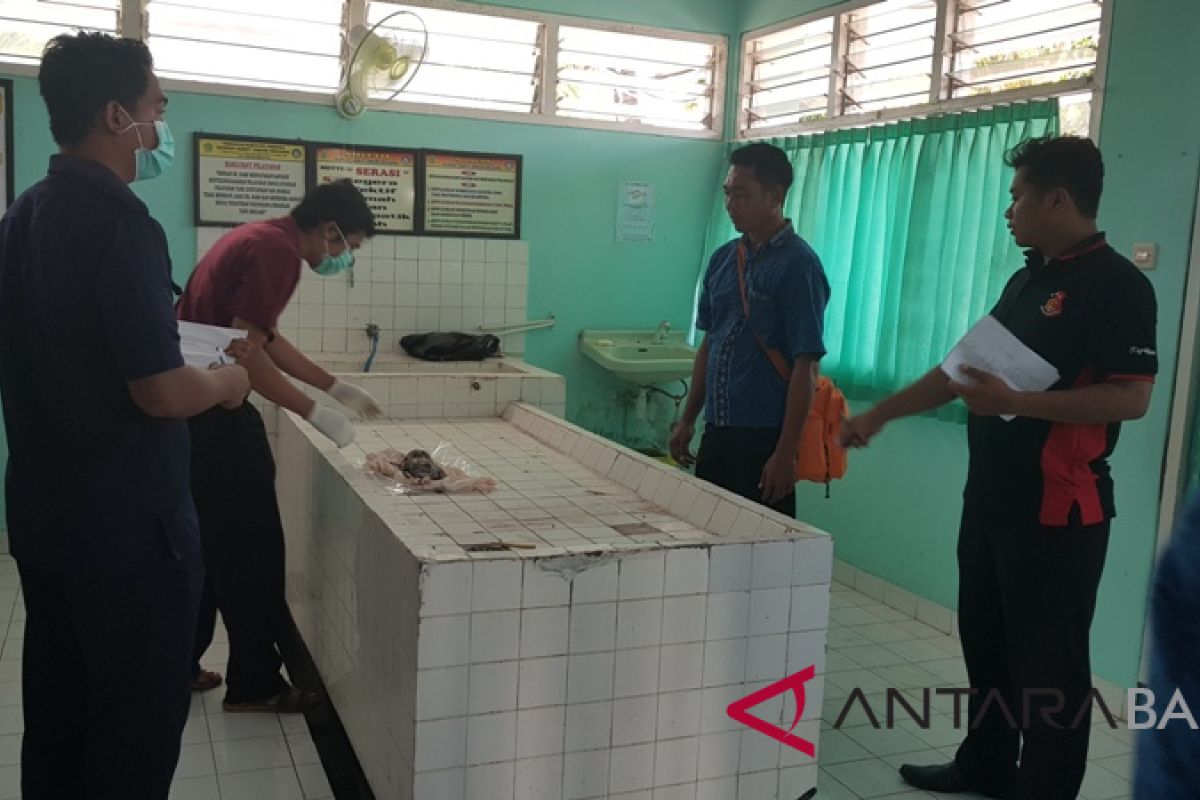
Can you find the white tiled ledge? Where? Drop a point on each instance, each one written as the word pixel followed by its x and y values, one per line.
pixel 417 393
pixel 562 490
pixel 700 503
pixel 403 363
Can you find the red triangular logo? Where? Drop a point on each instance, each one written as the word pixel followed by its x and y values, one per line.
pixel 739 710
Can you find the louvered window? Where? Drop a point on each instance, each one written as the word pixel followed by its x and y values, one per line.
pixel 624 77
pixel 472 60
pixel 27 25
pixel 888 59
pixel 787 75
pixel 870 61
pixel 1011 44
pixel 287 44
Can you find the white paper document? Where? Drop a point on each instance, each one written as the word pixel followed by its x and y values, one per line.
pixel 204 345
pixel 991 347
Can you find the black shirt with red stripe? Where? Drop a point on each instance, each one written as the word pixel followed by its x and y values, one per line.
pixel 1091 314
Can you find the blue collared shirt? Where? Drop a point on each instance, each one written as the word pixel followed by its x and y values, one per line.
pixel 787 292
pixel 94 484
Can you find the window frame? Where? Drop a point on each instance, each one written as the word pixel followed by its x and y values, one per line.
pixel 133 23
pixel 939 101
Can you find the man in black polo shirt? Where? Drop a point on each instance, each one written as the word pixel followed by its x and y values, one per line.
pixel 1039 496
pixel 95 394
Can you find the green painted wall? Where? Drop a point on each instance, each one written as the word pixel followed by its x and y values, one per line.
pixel 578 270
pixel 700 16
pixel 897 514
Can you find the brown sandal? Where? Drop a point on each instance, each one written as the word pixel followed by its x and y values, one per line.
pixel 292 700
pixel 205 680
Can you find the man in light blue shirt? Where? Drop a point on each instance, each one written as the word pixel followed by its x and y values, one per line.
pixel 754 416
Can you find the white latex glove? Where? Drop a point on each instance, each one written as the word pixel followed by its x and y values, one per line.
pixel 333 424
pixel 356 399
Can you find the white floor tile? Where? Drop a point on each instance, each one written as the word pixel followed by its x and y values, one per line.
pixel 1120 765
pixel 10 783
pixel 242 755
pixel 10 693
pixel 828 788
pixel 869 779
pixel 196 730
pixel 303 749
pixel 195 760
pixel 262 784
pixel 314 782
pixel 884 741
pixel 1105 743
pixel 204 788
pixel 837 747
pixel 10 749
pixel 293 723
pixel 227 727
pixel 11 720
pixel 1100 784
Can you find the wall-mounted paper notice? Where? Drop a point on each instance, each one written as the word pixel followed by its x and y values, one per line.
pixel 637 208
pixel 991 347
pixel 205 345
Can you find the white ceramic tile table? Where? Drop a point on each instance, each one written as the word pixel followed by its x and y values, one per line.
pixel 593 656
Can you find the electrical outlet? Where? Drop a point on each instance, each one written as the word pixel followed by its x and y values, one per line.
pixel 1145 255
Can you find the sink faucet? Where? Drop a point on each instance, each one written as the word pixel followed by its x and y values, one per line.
pixel 660 335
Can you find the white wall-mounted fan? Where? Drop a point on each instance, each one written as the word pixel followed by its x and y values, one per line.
pixel 384 59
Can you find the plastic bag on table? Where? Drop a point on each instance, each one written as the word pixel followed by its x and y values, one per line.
pixel 421 472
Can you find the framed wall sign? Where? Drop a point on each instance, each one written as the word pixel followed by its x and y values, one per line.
pixel 387 177
pixel 242 179
pixel 471 194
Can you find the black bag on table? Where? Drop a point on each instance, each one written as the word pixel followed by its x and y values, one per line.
pixel 451 346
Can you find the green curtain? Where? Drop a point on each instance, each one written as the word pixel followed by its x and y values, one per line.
pixel 908 219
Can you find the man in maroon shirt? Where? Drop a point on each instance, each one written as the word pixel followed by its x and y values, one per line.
pixel 245 282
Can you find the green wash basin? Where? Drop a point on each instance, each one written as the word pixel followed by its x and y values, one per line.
pixel 640 357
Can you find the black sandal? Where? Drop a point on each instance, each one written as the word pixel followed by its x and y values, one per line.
pixel 292 700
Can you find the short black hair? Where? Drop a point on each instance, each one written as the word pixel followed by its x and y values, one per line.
pixel 1072 163
pixel 83 72
pixel 338 201
pixel 770 164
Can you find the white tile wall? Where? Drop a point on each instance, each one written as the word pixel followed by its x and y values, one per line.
pixel 598 664
pixel 407 285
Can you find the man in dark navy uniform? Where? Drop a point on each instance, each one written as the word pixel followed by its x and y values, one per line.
pixel 95 394
pixel 1039 496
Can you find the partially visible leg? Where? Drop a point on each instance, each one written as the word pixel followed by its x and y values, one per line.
pixel 206 625
pixel 712 457
pixel 53 681
pixel 733 458
pixel 986 760
pixel 1050 577
pixel 234 488
pixel 137 634
pixel 989 753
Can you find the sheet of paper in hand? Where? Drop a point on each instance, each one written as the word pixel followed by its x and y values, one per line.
pixel 204 345
pixel 991 347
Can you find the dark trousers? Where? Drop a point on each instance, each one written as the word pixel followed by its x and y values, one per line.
pixel 105 680
pixel 206 626
pixel 733 458
pixel 233 483
pixel 1027 594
